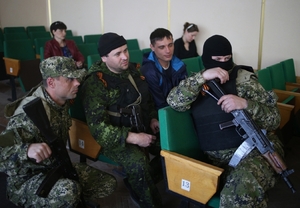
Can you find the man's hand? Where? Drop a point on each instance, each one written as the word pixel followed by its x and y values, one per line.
pixel 232 102
pixel 39 152
pixel 154 125
pixel 140 139
pixel 79 64
pixel 217 72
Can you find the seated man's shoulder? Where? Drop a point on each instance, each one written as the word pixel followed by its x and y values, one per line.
pixel 245 75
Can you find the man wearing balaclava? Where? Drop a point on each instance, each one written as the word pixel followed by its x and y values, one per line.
pixel 111 92
pixel 245 185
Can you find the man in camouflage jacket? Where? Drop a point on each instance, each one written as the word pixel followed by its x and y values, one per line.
pixel 113 84
pixel 26 158
pixel 246 185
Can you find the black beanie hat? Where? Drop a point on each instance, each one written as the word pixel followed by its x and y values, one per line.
pixel 216 45
pixel 109 42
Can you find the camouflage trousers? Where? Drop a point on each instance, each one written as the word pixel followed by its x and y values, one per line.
pixel 138 172
pixel 247 184
pixel 65 193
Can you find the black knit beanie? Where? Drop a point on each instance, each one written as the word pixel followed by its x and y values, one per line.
pixel 109 42
pixel 217 45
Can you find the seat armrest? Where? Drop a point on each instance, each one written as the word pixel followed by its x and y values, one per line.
pixel 12 66
pixel 286 111
pixel 82 141
pixel 292 86
pixel 189 177
pixel 280 93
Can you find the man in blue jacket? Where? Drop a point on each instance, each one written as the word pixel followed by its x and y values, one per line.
pixel 161 68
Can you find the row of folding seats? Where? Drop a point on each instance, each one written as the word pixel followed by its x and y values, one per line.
pixel 3 75
pixel 1 40
pixel 280 76
pixel 282 79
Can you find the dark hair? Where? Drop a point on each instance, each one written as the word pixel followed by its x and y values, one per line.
pixel 159 34
pixel 57 25
pixel 190 27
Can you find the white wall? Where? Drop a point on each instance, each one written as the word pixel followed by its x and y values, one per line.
pixel 23 13
pixel 238 20
pixel 235 19
pixel 282 32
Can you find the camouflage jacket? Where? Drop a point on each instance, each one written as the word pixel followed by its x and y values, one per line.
pixel 96 99
pixel 262 104
pixel 21 132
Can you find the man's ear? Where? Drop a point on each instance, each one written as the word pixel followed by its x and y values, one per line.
pixel 50 82
pixel 152 47
pixel 104 58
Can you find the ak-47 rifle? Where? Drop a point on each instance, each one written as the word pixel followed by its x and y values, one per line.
pixel 137 126
pixel 253 135
pixel 63 167
pixel 134 111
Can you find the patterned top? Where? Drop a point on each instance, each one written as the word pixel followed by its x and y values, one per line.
pixel 21 132
pixel 97 98
pixel 262 104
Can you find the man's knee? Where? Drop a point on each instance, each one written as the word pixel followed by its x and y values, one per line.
pixel 66 190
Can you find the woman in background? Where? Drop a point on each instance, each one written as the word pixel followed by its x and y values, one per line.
pixel 59 46
pixel 185 47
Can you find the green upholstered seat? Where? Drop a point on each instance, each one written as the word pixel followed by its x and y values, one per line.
pixel 133 44
pixel 201 63
pixel 15 36
pixel 265 79
pixel 69 33
pixel 177 134
pixel 14 29
pixel 22 53
pixel 92 59
pixel 136 56
pixel 76 39
pixel 35 28
pixel 19 49
pixel 286 102
pixel 39 34
pixel 41 53
pixel 40 42
pixel 92 38
pixel 3 75
pixel 289 71
pixel 277 76
pixel 1 40
pixel 192 65
pixel 146 50
pixel 87 49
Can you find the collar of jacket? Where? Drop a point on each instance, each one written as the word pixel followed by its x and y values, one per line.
pixel 176 63
pixel 100 66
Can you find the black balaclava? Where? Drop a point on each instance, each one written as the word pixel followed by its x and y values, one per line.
pixel 217 45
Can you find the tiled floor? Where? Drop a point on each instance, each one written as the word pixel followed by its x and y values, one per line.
pixel 279 197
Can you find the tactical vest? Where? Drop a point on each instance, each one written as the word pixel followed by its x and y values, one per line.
pixel 128 95
pixel 207 116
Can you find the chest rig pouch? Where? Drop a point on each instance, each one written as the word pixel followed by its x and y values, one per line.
pixel 127 111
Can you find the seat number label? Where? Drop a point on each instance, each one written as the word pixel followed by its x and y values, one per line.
pixel 81 143
pixel 185 185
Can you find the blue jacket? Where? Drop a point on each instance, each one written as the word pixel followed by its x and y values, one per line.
pixel 159 84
